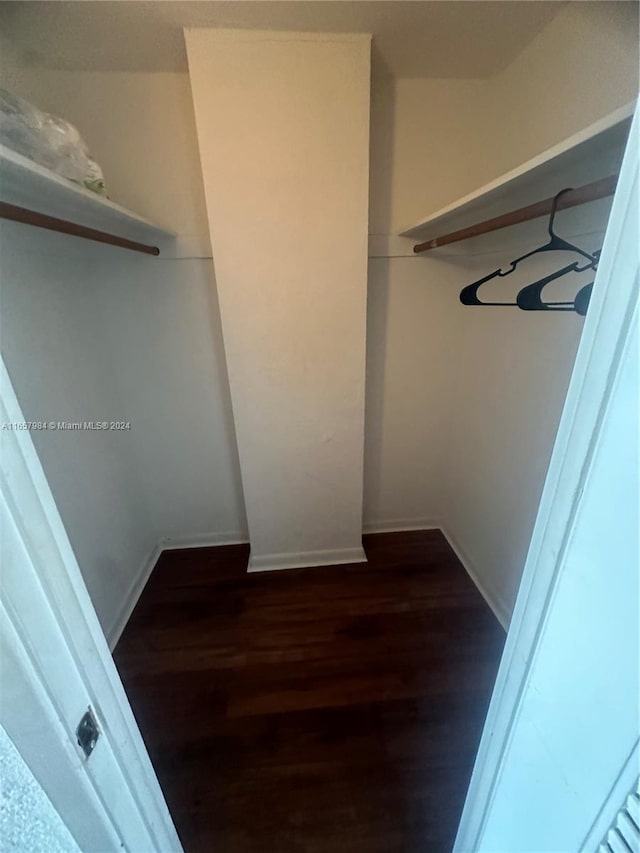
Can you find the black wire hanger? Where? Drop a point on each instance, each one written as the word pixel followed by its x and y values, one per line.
pixel 469 294
pixel 583 296
pixel 530 297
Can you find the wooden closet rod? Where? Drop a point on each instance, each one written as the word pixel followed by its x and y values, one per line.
pixel 582 195
pixel 40 220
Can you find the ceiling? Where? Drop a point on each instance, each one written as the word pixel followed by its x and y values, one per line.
pixel 411 39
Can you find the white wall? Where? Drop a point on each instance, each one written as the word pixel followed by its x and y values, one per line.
pixel 156 326
pixel 162 325
pixel 140 128
pixel 509 374
pixel 409 348
pixel 94 333
pixel 432 142
pixel 58 360
pixel 428 146
pixel 283 129
pixel 513 368
pixel 583 65
pixel 435 140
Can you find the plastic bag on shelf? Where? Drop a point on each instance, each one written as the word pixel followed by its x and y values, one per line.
pixel 49 141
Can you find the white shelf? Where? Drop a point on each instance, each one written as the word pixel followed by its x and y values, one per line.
pixel 26 184
pixel 594 153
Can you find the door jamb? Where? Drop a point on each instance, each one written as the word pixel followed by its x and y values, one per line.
pixel 67 605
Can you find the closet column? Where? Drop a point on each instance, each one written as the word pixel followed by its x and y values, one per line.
pixel 283 130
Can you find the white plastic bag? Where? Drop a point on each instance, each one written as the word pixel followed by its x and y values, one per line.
pixel 48 140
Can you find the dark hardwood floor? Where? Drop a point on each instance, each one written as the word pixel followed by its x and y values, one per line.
pixel 329 710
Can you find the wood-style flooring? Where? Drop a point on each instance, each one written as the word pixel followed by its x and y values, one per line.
pixel 327 710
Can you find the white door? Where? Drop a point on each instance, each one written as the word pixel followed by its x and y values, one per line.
pixel 559 752
pixel 55 665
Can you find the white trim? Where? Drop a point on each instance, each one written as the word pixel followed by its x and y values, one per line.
pixel 230 34
pixel 204 540
pixel 401 525
pixel 626 781
pixel 598 359
pixel 306 559
pixel 499 608
pixel 131 598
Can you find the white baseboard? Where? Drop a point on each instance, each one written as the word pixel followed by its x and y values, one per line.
pixel 306 559
pixel 299 560
pixel 401 525
pixel 133 594
pixel 170 543
pixel 205 540
pixel 500 611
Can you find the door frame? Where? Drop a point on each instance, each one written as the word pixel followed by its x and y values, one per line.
pixel 603 340
pixel 55 662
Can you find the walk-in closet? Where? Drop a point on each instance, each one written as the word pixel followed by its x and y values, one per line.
pixel 293 363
